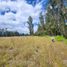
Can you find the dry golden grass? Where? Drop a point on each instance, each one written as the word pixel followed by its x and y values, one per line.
pixel 32 51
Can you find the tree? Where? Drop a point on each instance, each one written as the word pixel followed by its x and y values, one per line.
pixel 41 25
pixel 30 23
pixel 41 18
pixel 55 17
pixel 51 25
pixel 5 32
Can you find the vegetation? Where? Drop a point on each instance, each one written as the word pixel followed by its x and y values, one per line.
pixel 30 23
pixel 55 19
pixel 59 38
pixel 41 26
pixel 7 33
pixel 32 52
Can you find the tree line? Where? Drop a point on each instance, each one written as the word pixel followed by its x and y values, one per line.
pixel 5 32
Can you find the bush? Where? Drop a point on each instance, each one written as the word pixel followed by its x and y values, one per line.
pixel 59 38
pixel 41 33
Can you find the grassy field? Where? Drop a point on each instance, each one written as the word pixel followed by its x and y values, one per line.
pixel 32 51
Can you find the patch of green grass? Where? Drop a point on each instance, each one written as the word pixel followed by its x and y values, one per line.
pixel 59 38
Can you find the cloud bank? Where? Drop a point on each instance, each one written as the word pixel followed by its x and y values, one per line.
pixel 14 14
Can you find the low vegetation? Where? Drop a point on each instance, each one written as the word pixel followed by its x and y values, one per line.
pixel 61 38
pixel 32 51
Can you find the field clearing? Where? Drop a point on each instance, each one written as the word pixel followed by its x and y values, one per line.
pixel 32 51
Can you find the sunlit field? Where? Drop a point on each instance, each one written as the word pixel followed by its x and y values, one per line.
pixel 32 51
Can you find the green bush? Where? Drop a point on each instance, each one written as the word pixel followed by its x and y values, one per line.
pixel 41 33
pixel 59 38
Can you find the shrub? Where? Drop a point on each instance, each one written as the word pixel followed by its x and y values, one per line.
pixel 41 33
pixel 59 38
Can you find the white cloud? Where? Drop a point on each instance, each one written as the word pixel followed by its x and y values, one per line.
pixel 23 11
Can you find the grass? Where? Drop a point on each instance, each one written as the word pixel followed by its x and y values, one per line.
pixel 61 38
pixel 32 51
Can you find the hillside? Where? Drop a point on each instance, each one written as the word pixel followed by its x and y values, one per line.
pixel 32 51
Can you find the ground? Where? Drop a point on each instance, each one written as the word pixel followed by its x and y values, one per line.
pixel 32 51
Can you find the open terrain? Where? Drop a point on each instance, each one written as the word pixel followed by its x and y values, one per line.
pixel 32 51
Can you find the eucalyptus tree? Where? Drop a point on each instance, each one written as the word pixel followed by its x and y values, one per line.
pixel 55 17
pixel 30 23
pixel 41 25
pixel 41 18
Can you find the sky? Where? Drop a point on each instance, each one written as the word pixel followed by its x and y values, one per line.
pixel 14 14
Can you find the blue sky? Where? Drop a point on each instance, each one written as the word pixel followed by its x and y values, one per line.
pixel 14 14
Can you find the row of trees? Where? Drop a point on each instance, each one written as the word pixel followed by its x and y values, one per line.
pixel 5 32
pixel 56 17
pixel 31 26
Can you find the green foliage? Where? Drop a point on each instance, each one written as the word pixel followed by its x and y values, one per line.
pixel 41 33
pixel 41 26
pixel 55 18
pixel 41 18
pixel 5 32
pixel 30 23
pixel 59 38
